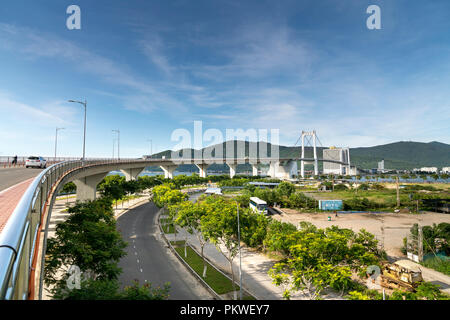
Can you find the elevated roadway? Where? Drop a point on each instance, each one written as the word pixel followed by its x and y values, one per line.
pixel 12 176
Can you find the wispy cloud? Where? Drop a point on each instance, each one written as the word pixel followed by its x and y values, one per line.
pixel 36 45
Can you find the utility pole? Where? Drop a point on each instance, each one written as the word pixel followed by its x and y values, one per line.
pixel 398 193
pixel 420 244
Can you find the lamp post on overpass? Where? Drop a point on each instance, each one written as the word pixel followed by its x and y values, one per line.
pixel 84 136
pixel 114 147
pixel 56 139
pixel 118 143
pixel 151 147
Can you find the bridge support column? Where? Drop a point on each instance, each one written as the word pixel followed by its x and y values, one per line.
pixel 273 166
pixel 87 186
pixel 255 170
pixel 283 170
pixel 233 167
pixel 168 171
pixel 132 173
pixel 202 168
pixel 288 170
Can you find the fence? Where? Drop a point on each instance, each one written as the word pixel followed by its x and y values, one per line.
pixel 7 161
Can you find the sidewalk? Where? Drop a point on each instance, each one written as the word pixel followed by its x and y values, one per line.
pixel 60 214
pixel 9 199
pixel 254 268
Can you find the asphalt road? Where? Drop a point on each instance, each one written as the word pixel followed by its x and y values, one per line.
pixel 13 176
pixel 149 260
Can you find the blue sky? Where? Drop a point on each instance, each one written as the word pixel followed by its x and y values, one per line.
pixel 150 67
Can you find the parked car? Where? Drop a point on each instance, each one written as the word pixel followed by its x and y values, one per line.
pixel 36 162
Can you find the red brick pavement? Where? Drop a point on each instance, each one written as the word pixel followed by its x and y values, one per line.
pixel 9 199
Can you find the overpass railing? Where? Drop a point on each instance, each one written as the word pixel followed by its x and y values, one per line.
pixel 19 240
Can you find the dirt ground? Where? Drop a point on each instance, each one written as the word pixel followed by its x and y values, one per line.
pixel 396 225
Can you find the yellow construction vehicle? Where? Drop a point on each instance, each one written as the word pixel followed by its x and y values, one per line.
pixel 402 275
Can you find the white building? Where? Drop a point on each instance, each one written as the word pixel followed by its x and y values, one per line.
pixel 445 170
pixel 337 154
pixel 429 169
pixel 381 165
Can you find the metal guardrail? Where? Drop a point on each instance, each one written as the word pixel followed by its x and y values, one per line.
pixel 18 240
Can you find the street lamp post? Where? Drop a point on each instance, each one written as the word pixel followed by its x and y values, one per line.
pixel 84 136
pixel 118 143
pixel 151 147
pixel 240 253
pixel 114 147
pixel 56 139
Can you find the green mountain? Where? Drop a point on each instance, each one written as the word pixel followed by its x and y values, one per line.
pixel 403 155
pixel 397 155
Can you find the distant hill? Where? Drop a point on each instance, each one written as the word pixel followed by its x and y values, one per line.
pixel 403 155
pixel 397 155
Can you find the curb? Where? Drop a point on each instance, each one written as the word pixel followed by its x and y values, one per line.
pixel 207 260
pixel 169 245
pixel 117 216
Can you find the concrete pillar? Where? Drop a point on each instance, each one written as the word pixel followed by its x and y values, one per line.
pixel 255 170
pixel 87 186
pixel 132 173
pixel 232 169
pixel 287 170
pixel 273 169
pixel 168 171
pixel 202 168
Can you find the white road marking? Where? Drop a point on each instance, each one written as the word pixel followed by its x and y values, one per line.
pixel 141 270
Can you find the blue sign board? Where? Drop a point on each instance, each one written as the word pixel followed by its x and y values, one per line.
pixel 330 205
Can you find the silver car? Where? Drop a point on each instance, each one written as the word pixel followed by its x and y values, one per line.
pixel 36 162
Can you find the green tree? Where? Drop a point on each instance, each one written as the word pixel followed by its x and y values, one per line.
pixel 87 239
pixel 188 215
pixel 318 259
pixel 219 226
pixel 285 188
pixel 253 227
pixel 109 290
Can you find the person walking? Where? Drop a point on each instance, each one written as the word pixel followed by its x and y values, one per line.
pixel 14 162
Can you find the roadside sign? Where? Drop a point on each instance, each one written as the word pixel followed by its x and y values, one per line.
pixel 330 205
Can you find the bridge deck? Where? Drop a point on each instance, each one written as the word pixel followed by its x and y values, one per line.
pixel 9 199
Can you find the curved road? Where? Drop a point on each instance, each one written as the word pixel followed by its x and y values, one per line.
pixel 12 176
pixel 149 260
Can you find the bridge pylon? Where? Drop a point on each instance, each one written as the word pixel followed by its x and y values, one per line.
pixel 309 135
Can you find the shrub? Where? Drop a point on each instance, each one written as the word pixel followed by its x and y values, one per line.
pixel 359 204
pixel 340 187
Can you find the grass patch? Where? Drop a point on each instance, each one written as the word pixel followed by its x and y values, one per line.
pixel 168 228
pixel 438 264
pixel 177 243
pixel 214 278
